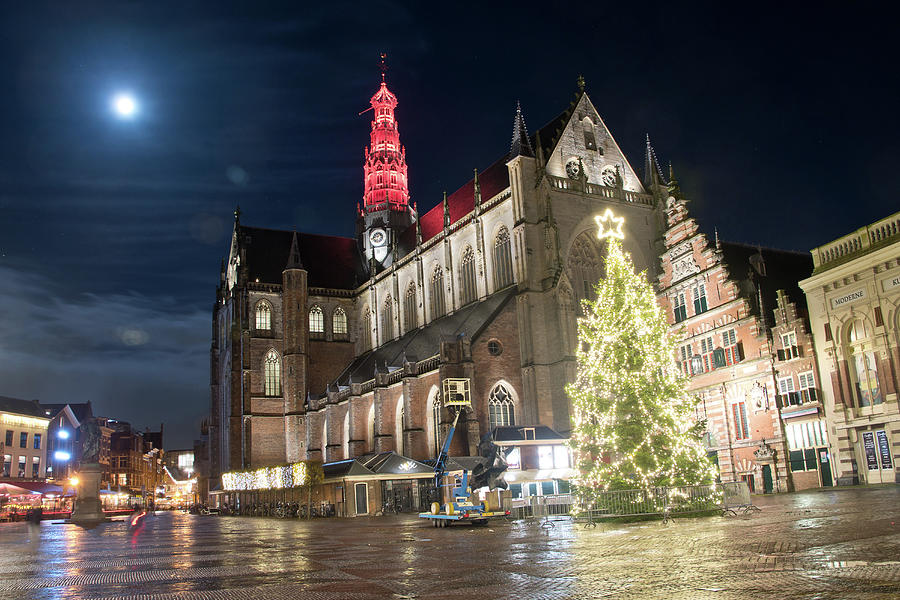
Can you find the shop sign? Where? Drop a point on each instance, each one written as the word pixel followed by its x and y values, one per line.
pixel 890 283
pixel 884 450
pixel 869 449
pixel 848 298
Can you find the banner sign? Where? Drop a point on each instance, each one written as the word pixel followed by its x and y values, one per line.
pixel 848 298
pixel 890 283
pixel 869 449
pixel 884 450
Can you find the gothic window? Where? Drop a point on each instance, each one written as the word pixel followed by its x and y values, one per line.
pixel 345 442
pixel 467 291
pixel 399 426
pixel 501 411
pixel 365 330
pixel 387 320
pixel 438 306
pixel 503 270
pixel 263 316
pixel 316 321
pixel 583 267
pixel 410 308
pixel 863 370
pixel 370 429
pixel 699 294
pixel 339 322
pixel 436 422
pixel 589 141
pixel 272 374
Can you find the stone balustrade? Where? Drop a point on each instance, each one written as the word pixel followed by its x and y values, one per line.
pixel 859 241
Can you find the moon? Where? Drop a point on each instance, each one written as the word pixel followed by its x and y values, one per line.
pixel 124 105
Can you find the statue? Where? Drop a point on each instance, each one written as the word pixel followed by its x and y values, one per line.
pixel 91 438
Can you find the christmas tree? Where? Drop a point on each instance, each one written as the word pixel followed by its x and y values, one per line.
pixel 634 425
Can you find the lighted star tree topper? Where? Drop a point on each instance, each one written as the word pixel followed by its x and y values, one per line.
pixel 633 421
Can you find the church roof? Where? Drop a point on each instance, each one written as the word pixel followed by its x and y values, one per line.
pixel 493 180
pixel 330 261
pixel 425 341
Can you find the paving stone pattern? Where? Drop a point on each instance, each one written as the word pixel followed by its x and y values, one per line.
pixel 842 544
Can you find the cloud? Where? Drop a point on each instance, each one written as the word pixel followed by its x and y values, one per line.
pixel 136 358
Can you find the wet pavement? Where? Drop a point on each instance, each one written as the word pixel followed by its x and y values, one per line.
pixel 836 544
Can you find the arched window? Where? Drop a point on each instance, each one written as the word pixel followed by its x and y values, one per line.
pixel 263 316
pixel 316 320
pixel 567 319
pixel 861 360
pixel 583 267
pixel 324 437
pixel 365 331
pixel 339 322
pixel 436 423
pixel 370 429
pixel 438 306
pixel 346 439
pixel 467 290
pixel 272 373
pixel 410 308
pixel 501 411
pixel 503 269
pixel 589 140
pixel 387 320
pixel 398 433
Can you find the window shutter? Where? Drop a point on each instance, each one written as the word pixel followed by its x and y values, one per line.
pixel 780 354
pixel 719 358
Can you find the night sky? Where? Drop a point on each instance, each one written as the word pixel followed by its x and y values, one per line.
pixel 782 128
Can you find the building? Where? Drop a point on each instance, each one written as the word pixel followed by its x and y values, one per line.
pixel 719 298
pixel 136 460
pixel 799 397
pixel 64 442
pixel 23 447
pixel 332 348
pixel 180 480
pixel 853 297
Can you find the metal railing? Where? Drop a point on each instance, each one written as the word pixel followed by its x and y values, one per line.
pixel 663 501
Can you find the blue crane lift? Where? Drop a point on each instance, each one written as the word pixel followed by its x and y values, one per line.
pixel 459 507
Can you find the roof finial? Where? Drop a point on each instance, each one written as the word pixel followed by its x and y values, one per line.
pixel 294 257
pixel 446 211
pixel 237 214
pixel 674 189
pixel 520 145
pixel 653 174
pixel 383 65
pixel 580 82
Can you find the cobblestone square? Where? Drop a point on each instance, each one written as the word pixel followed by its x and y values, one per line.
pixel 843 543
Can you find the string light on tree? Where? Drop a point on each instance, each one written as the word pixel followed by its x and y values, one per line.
pixel 633 422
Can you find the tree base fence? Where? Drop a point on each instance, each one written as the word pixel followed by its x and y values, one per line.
pixel 666 502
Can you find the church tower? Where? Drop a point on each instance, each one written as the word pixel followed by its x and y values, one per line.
pixel 386 211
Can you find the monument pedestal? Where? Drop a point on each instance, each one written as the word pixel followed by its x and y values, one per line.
pixel 88 512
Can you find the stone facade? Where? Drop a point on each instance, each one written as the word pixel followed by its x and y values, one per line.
pixel 854 302
pixel 485 286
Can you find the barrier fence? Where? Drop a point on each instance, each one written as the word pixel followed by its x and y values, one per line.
pixel 664 501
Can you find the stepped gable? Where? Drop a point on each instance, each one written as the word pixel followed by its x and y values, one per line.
pixel 783 269
pixel 493 180
pixel 330 261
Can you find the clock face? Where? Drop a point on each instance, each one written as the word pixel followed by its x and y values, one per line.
pixel 573 168
pixel 377 237
pixel 608 176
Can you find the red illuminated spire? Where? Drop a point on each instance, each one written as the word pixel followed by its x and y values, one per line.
pixel 385 167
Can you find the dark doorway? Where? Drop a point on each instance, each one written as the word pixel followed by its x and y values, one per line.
pixel 362 499
pixel 768 488
pixel 825 467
